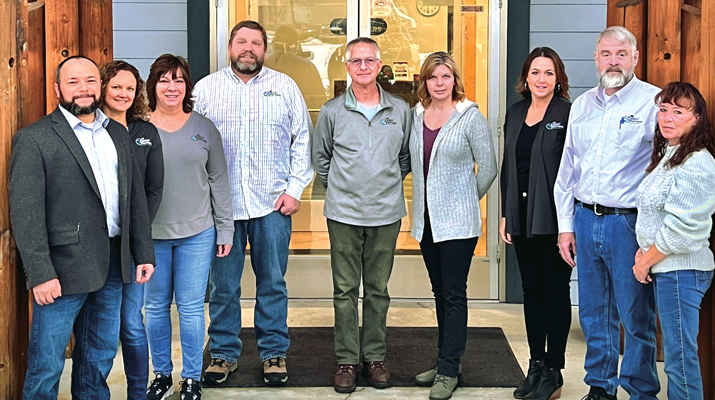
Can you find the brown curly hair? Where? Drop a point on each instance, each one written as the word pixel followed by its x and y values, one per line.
pixel 701 136
pixel 139 110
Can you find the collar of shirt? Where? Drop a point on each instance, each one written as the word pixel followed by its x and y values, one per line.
pixel 99 119
pixel 621 95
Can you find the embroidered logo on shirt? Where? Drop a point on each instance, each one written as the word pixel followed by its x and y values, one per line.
pixel 271 93
pixel 144 142
pixel 387 121
pixel 554 125
pixel 197 137
pixel 629 119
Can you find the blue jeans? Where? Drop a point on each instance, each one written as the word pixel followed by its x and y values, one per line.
pixel 609 294
pixel 269 237
pixel 182 270
pixel 679 294
pixel 135 348
pixel 95 317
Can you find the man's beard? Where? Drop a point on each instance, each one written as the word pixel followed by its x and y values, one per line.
pixel 609 80
pixel 75 108
pixel 247 68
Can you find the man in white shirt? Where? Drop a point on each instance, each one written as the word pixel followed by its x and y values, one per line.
pixel 608 147
pixel 265 126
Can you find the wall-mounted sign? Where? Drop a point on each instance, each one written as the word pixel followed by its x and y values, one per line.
pixel 401 71
pixel 339 26
pixel 472 9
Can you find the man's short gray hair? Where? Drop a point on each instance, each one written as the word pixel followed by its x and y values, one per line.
pixel 364 40
pixel 619 33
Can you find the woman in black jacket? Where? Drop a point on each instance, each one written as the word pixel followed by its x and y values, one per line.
pixel 124 100
pixel 534 133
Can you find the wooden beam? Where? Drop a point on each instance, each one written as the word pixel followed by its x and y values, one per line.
pixel 615 15
pixel 31 71
pixel 663 58
pixel 61 41
pixel 95 30
pixel 690 61
pixel 12 366
pixel 636 21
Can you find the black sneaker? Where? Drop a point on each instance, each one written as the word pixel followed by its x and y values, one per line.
pixel 597 393
pixel 161 388
pixel 190 390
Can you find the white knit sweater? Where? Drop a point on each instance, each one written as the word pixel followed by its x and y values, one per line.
pixel 453 189
pixel 675 206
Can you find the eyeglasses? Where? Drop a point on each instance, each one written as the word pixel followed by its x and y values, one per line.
pixel 357 62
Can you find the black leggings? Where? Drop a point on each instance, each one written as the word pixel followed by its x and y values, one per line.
pixel 545 278
pixel 448 265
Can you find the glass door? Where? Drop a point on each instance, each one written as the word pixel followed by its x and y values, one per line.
pixel 307 41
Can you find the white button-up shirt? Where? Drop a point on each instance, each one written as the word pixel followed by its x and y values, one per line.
pixel 608 147
pixel 102 155
pixel 265 128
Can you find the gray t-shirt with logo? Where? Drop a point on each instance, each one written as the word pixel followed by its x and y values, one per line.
pixel 196 188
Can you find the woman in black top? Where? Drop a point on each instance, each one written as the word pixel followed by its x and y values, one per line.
pixel 535 129
pixel 124 100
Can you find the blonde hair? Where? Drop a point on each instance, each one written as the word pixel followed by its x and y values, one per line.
pixel 433 61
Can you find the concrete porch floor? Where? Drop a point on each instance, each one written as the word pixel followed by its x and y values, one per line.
pixel 304 313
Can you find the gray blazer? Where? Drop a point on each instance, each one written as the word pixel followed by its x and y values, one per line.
pixel 543 167
pixel 56 212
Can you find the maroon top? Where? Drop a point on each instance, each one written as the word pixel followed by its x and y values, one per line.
pixel 428 136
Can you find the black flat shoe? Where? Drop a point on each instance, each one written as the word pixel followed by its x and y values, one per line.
pixel 531 380
pixel 549 386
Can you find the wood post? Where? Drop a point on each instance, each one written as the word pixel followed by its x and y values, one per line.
pixel 61 41
pixel 663 42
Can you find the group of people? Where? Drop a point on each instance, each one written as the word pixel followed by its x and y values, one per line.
pixel 132 195
pixel 625 175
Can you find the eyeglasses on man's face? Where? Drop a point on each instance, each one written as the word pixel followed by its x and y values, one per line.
pixel 357 62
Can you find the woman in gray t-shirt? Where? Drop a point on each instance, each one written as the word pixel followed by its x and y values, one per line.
pixel 194 218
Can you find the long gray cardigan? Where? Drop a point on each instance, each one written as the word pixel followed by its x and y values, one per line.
pixel 453 188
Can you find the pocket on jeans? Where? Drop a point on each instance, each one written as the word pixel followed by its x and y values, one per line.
pixel 703 279
pixel 630 220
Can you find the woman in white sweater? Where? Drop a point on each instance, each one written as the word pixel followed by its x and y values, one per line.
pixel 675 204
pixel 449 136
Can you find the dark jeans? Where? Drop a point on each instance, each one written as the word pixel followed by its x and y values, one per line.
pixel 545 278
pixel 135 347
pixel 448 265
pixel 95 317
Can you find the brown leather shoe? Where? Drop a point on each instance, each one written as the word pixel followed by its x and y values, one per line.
pixel 344 378
pixel 378 375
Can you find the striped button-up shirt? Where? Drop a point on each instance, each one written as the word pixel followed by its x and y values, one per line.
pixel 265 128
pixel 99 148
pixel 607 149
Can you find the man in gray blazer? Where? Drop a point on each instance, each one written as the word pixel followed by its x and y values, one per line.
pixel 77 208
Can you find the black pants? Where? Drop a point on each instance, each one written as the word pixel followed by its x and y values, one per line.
pixel 448 265
pixel 545 278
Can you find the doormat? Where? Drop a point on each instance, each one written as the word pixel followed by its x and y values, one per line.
pixel 488 360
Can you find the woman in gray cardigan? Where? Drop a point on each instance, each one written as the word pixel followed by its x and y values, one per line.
pixel 449 135
pixel 675 204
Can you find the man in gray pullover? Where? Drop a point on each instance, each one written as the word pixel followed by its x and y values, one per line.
pixel 360 151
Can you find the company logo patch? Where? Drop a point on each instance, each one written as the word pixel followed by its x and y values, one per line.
pixel 271 93
pixel 144 142
pixel 197 138
pixel 554 126
pixel 629 119
pixel 387 121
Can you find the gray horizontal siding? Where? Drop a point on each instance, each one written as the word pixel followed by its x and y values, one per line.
pixel 146 29
pixel 569 2
pixel 567 18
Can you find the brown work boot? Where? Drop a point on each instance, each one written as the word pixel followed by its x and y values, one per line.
pixel 378 375
pixel 344 378
pixel 275 372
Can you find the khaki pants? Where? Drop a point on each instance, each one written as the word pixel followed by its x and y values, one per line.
pixel 361 252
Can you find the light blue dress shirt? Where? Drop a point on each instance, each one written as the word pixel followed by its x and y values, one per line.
pixel 265 129
pixel 608 147
pixel 102 155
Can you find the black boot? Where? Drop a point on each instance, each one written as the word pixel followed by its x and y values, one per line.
pixel 597 393
pixel 531 380
pixel 549 387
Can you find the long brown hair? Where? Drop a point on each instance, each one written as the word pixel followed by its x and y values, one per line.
pixel 170 63
pixel 701 136
pixel 139 110
pixel 431 63
pixel 562 81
